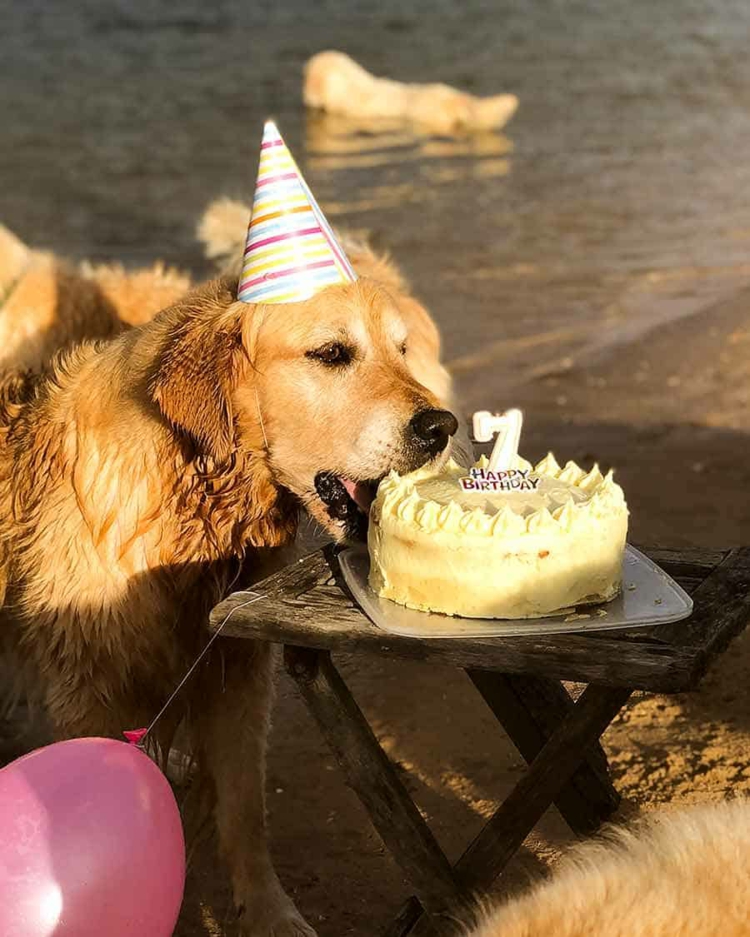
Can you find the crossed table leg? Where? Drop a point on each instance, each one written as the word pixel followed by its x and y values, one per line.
pixel 559 739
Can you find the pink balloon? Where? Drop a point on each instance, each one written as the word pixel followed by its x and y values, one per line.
pixel 91 844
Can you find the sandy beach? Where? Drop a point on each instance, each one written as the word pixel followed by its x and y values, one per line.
pixel 591 264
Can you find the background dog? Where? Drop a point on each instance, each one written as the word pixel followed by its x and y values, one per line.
pixel 335 82
pixel 138 473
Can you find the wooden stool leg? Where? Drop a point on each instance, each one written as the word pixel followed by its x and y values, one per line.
pixel 530 709
pixel 370 773
pixel 516 817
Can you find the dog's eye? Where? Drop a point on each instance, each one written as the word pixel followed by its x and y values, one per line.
pixel 402 348
pixel 334 354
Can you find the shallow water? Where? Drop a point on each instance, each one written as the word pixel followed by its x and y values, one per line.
pixel 617 197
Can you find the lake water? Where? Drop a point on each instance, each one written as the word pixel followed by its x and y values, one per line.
pixel 616 198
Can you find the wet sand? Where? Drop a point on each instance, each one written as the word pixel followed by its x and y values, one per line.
pixel 591 264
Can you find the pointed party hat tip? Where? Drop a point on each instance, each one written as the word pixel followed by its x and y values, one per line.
pixel 291 252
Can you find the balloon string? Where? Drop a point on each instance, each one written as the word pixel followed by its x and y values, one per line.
pixel 137 736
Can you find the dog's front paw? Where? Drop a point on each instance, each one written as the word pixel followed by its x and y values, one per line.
pixel 272 916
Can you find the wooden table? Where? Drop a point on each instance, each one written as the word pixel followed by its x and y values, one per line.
pixel 307 608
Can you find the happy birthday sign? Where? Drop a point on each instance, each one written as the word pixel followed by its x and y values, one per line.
pixel 480 479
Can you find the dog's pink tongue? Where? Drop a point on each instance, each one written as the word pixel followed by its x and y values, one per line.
pixel 362 494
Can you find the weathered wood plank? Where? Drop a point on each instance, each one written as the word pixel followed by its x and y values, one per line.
pixel 370 773
pixel 686 562
pixel 319 623
pixel 689 584
pixel 407 917
pixel 306 604
pixel 530 709
pixel 722 611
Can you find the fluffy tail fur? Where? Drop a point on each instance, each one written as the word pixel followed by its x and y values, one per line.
pixel 684 874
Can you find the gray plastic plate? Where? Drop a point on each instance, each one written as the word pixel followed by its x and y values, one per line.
pixel 649 597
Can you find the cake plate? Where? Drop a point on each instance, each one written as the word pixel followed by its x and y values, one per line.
pixel 649 597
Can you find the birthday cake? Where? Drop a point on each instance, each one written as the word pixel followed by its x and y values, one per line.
pixel 522 542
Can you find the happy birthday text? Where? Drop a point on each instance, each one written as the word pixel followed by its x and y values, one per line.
pixel 480 479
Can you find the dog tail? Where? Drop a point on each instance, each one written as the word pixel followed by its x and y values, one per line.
pixel 222 230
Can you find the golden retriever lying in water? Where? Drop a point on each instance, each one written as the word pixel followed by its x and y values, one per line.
pixel 335 82
pixel 685 874
pixel 137 474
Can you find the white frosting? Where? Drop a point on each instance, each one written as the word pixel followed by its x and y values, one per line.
pixel 498 554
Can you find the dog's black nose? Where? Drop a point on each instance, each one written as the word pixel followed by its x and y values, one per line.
pixel 431 429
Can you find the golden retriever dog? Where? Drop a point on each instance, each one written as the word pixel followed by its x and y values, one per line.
pixel 140 471
pixel 334 82
pixel 684 874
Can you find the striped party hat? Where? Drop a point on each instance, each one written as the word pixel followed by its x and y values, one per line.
pixel 291 253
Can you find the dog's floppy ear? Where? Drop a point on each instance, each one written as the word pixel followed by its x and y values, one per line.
pixel 197 370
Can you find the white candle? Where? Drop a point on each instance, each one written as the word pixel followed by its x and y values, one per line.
pixel 508 428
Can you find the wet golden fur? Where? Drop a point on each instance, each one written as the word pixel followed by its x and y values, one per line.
pixel 138 473
pixel 682 874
